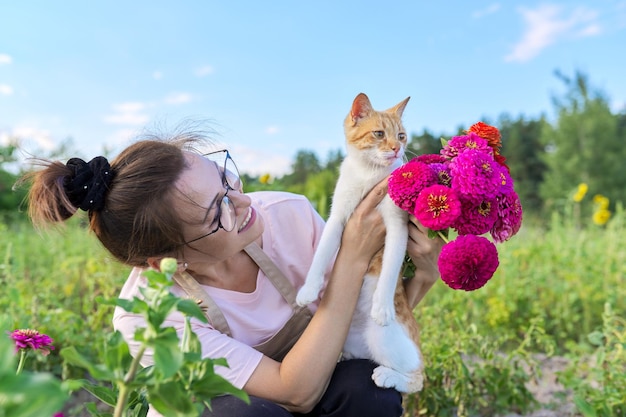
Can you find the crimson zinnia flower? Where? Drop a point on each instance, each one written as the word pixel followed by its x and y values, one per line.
pixel 32 339
pixel 477 217
pixel 509 220
pixel 437 207
pixel 468 262
pixel 406 182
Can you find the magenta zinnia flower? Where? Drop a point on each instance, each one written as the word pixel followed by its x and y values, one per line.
pixel 509 218
pixel 477 217
pixel 431 158
pixel 437 207
pixel 468 262
pixel 458 144
pixel 442 171
pixel 475 175
pixel 406 182
pixel 32 339
pixel 506 182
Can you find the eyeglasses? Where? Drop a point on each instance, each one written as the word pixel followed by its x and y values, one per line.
pixel 225 218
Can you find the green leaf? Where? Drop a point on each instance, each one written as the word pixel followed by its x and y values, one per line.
pixel 192 309
pixel 136 305
pixel 72 356
pixel 171 400
pixel 107 395
pixel 584 407
pixel 117 355
pixel 212 385
pixel 156 278
pixel 168 357
pixel 17 399
pixel 596 338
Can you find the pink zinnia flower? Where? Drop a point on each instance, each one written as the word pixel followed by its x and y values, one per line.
pixel 406 182
pixel 437 207
pixel 458 144
pixel 468 262
pixel 509 218
pixel 475 175
pixel 32 339
pixel 477 217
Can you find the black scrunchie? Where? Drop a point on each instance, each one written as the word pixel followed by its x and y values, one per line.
pixel 86 187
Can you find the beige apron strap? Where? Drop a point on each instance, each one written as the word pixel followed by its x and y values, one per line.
pixel 211 310
pixel 275 275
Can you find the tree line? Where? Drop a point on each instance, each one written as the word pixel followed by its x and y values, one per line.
pixel 547 159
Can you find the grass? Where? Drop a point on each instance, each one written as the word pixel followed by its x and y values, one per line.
pixel 559 290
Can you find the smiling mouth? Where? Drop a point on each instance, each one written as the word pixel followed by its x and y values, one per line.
pixel 246 220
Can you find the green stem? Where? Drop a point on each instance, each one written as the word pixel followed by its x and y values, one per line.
pixel 442 236
pixel 20 364
pixel 122 398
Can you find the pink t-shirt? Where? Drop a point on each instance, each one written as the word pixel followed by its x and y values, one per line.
pixel 292 231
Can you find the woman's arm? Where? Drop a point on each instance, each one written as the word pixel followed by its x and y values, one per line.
pixel 301 379
pixel 424 251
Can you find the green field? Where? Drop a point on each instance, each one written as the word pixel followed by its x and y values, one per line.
pixel 559 292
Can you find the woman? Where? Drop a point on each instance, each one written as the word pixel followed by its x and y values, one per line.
pixel 245 255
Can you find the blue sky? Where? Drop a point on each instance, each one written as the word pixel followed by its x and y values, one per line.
pixel 276 77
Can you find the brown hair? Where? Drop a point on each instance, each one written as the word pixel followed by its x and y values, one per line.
pixel 138 220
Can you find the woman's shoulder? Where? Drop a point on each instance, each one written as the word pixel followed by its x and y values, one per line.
pixel 268 198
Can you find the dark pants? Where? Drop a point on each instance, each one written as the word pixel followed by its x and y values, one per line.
pixel 351 393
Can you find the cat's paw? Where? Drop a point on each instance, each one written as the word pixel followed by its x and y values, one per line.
pixel 382 314
pixel 307 294
pixel 388 378
pixel 417 382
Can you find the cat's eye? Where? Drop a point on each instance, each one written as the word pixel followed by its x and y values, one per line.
pixel 401 136
pixel 379 134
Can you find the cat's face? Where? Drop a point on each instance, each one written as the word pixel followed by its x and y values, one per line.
pixel 377 136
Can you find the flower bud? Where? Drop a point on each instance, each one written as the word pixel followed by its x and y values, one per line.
pixel 168 266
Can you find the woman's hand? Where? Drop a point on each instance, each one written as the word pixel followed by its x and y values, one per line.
pixel 424 252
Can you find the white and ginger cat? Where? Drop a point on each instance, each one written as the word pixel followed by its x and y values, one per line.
pixel 383 328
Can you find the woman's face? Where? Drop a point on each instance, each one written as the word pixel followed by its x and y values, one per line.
pixel 203 184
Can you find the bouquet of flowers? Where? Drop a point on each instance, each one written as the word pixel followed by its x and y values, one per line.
pixel 467 187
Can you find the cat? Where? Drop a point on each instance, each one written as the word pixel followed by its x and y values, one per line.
pixel 383 328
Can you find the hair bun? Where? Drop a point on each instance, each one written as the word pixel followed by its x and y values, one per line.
pixel 89 182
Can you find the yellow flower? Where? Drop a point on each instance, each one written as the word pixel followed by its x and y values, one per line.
pixel 265 179
pixel 601 216
pixel 580 193
pixel 601 201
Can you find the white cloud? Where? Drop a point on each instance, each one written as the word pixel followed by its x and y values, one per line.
pixel 129 106
pixel 129 113
pixel 6 90
pixel 546 25
pixel 178 98
pixel 25 134
pixel 258 162
pixel 272 130
pixel 204 71
pixel 121 137
pixel 5 59
pixel 492 8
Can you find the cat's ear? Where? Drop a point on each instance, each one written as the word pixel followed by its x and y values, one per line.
pixel 361 107
pixel 399 108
